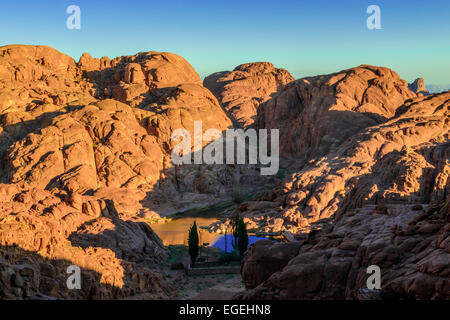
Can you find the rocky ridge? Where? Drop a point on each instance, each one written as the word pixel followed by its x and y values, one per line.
pixel 85 151
pixel 404 160
pixel 244 89
pixel 317 114
pixel 358 129
pixel 369 185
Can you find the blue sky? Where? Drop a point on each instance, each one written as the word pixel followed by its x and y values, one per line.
pixel 305 37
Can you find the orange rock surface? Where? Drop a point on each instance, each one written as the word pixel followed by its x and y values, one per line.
pixel 85 149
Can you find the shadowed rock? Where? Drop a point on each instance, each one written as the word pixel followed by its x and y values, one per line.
pixel 418 86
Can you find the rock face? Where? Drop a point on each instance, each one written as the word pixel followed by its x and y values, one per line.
pixel 404 160
pixel 105 124
pixel 315 115
pixel 36 66
pixel 83 145
pixel 370 190
pixel 86 159
pixel 265 258
pixel 244 89
pixel 411 248
pixel 42 235
pixel 134 79
pixel 418 86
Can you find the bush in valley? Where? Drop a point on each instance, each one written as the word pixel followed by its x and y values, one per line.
pixel 193 242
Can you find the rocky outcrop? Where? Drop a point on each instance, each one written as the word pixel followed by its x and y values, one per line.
pixel 410 245
pixel 85 151
pixel 36 66
pixel 106 124
pixel 42 235
pixel 418 86
pixel 244 89
pixel 36 83
pixel 379 197
pixel 135 79
pixel 317 114
pixel 404 160
pixel 265 258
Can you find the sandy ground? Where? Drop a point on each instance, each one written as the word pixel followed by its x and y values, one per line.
pixel 210 287
pixel 201 287
pixel 222 290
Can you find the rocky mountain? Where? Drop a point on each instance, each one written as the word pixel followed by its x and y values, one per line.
pixel 352 130
pixel 400 160
pixel 83 145
pixel 315 115
pixel 410 245
pixel 244 89
pixel 369 186
pixel 418 86
pixel 117 114
pixel 85 149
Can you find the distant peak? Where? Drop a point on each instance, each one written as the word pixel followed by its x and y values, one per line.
pixel 418 86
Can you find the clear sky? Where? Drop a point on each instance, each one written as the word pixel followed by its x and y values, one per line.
pixel 305 37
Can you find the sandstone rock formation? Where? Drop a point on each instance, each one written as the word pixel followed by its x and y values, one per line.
pixel 418 86
pixel 316 114
pixel 72 136
pixel 133 79
pixel 410 245
pixel 370 191
pixel 244 89
pixel 41 235
pixel 82 147
pixel 85 151
pixel 403 160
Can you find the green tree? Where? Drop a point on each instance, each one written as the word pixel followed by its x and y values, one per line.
pixel 234 220
pixel 242 236
pixel 193 242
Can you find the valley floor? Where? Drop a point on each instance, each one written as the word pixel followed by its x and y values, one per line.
pixel 200 287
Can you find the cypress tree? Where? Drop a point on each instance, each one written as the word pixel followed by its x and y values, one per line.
pixel 242 236
pixel 193 242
